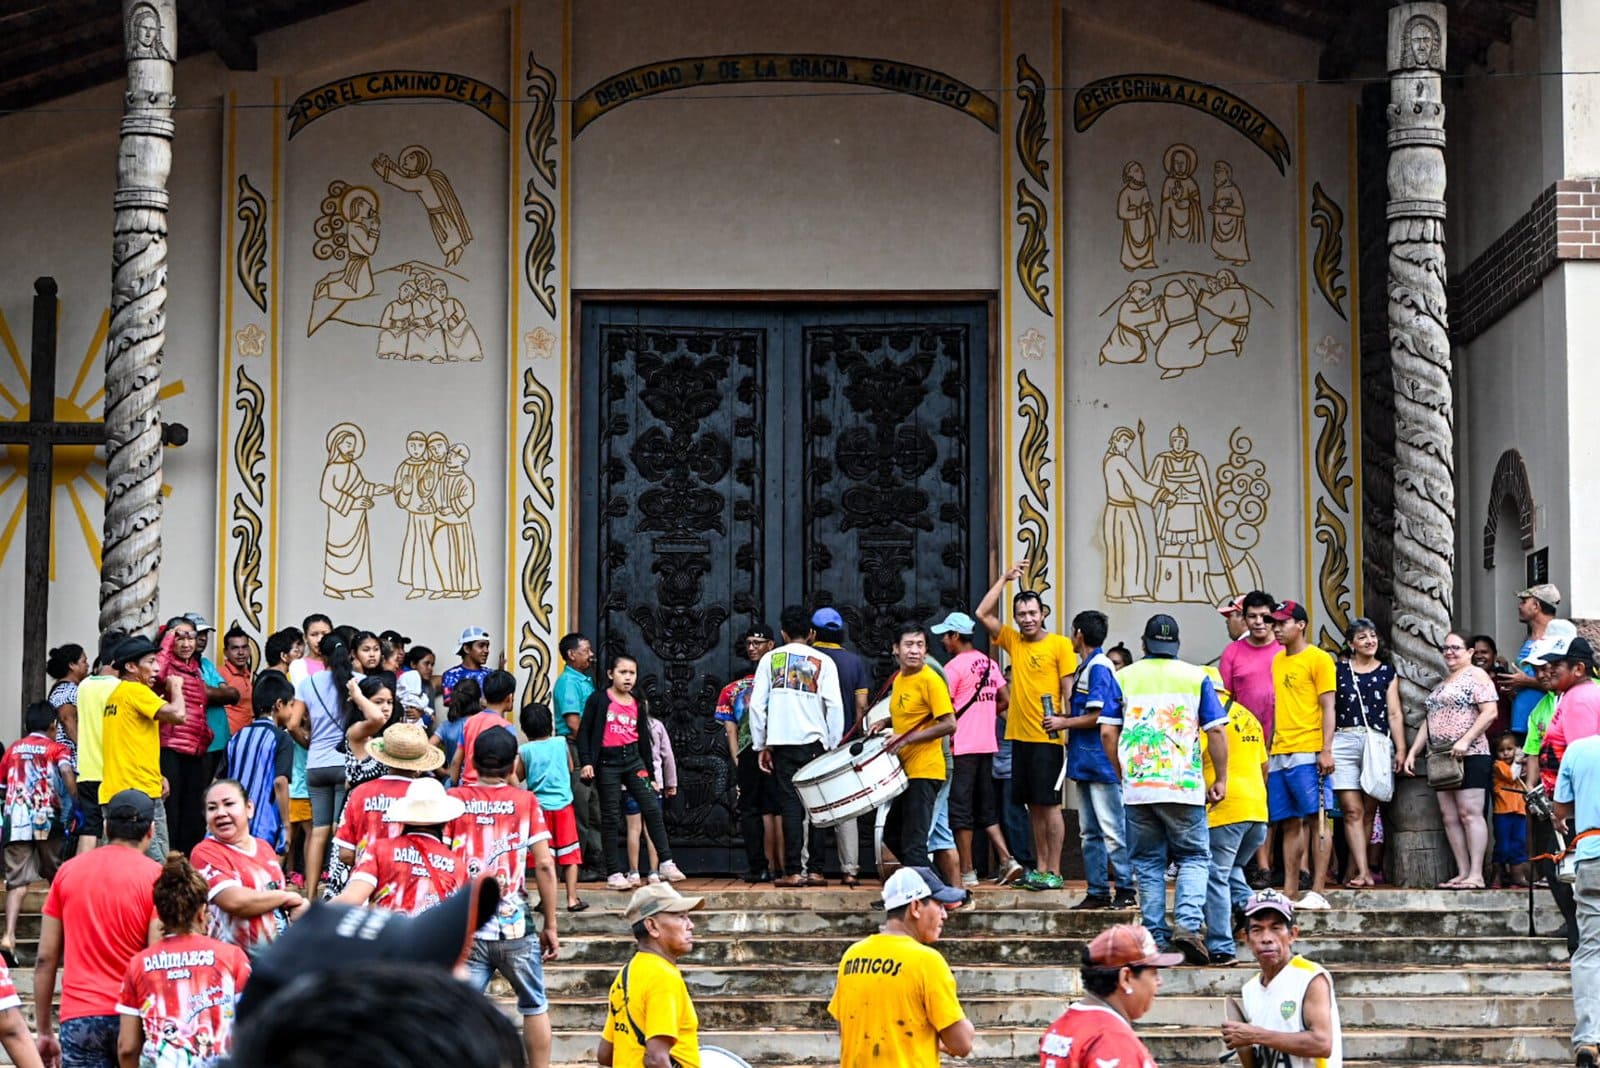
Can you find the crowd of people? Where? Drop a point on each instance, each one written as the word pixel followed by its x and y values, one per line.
pixel 205 807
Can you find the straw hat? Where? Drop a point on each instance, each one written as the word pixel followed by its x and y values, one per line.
pixel 425 802
pixel 406 746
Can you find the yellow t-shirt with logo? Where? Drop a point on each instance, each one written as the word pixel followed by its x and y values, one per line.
pixel 130 742
pixel 915 701
pixel 1296 682
pixel 893 997
pixel 1246 800
pixel 655 1005
pixel 1037 668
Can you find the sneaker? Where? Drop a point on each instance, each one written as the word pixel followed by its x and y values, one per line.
pixel 1189 944
pixel 670 872
pixel 1172 871
pixel 1223 960
pixel 968 903
pixel 969 879
pixel 616 881
pixel 634 882
pixel 1042 880
pixel 653 879
pixel 1011 874
pixel 1092 901
pixel 1586 1056
pixel 1312 900
pixel 1032 880
pixel 1125 899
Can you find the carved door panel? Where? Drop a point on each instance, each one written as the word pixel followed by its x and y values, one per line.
pixel 739 459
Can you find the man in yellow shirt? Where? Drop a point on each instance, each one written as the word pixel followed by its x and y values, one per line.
pixel 1042 665
pixel 920 713
pixel 649 1017
pixel 1237 823
pixel 895 997
pixel 1298 788
pixel 130 733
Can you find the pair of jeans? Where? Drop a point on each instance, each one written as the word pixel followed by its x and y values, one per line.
pixel 519 961
pixel 161 840
pixel 1232 845
pixel 910 816
pixel 90 1041
pixel 1586 961
pixel 752 829
pixel 586 807
pixel 188 778
pixel 1157 833
pixel 1104 832
pixel 622 768
pixel 787 760
pixel 1014 823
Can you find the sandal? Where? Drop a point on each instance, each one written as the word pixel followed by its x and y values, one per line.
pixel 849 880
pixel 577 906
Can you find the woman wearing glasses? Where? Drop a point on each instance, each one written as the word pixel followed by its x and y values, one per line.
pixel 1460 710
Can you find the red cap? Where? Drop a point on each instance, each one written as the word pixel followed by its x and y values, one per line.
pixel 1127 945
pixel 1231 605
pixel 1284 611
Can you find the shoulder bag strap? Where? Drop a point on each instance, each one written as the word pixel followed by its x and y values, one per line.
pixel 978 690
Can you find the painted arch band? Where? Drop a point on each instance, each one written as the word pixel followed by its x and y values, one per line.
pixel 1103 94
pixel 754 68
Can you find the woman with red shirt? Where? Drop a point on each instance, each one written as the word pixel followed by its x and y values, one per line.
pixel 183 745
pixel 416 869
pixel 249 905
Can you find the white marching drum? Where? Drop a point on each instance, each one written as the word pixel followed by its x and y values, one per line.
pixel 850 781
pixel 717 1057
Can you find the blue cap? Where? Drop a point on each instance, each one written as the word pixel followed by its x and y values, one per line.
pixel 955 623
pixel 827 619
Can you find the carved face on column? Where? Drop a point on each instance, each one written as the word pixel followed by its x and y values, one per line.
pixel 1422 43
pixel 144 34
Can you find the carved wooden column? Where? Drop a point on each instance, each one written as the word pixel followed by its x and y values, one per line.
pixel 1424 487
pixel 132 555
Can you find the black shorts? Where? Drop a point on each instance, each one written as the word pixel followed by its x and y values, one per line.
pixel 89 804
pixel 1476 772
pixel 1035 769
pixel 972 792
pixel 757 792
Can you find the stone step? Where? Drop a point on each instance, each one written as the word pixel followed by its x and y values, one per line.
pixel 1082 925
pixel 1168 1045
pixel 989 1012
pixel 817 980
pixel 1031 950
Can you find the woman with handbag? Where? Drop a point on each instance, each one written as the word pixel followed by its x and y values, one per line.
pixel 1460 710
pixel 1367 722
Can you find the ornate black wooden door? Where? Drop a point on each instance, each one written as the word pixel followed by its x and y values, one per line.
pixel 736 459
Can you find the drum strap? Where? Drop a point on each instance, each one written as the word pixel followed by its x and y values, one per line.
pixel 638 1032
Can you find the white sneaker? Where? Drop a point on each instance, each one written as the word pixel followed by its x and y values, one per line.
pixel 1312 900
pixel 616 881
pixel 1013 871
pixel 969 879
pixel 653 879
pixel 671 873
pixel 634 882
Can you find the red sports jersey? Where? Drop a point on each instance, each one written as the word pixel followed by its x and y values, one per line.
pixel 225 866
pixel 8 990
pixel 494 834
pixel 412 872
pixel 183 989
pixel 31 768
pixel 1089 1035
pixel 363 813
pixel 476 725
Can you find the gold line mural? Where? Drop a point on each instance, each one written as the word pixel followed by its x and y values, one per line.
pixel 329 97
pixel 539 138
pixel 1169 326
pixel 1327 218
pixel 751 68
pixel 1331 458
pixel 533 653
pixel 1103 94
pixel 415 173
pixel 1137 216
pixel 539 260
pixel 250 259
pixel 1031 124
pixel 1033 453
pixel 1033 250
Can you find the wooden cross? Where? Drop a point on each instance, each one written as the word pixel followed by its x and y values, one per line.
pixel 41 433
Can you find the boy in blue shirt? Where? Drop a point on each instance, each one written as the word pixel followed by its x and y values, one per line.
pixel 546 769
pixel 1100 819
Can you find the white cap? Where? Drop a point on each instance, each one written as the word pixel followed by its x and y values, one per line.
pixel 409 685
pixel 473 634
pixel 914 884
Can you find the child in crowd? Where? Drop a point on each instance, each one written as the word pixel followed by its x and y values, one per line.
pixel 547 771
pixel 261 757
pixel 666 784
pixel 1510 815
pixel 33 772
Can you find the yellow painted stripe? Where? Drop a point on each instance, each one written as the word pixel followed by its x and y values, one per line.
pixel 275 327
pixel 91 540
pixel 91 354
pixel 1353 244
pixel 1007 531
pixel 1305 333
pixel 1058 515
pixel 562 558
pixel 514 346
pixel 225 387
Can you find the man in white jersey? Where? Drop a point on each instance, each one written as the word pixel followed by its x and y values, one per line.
pixel 1291 1017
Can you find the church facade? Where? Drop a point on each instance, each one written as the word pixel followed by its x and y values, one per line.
pixel 649 319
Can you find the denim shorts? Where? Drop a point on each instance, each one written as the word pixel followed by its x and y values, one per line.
pixel 520 961
pixel 939 836
pixel 90 1041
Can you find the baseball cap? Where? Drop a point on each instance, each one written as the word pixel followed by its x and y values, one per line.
pixel 394 637
pixel 1270 901
pixel 473 634
pixel 198 620
pixel 1231 605
pixel 1284 611
pixel 914 884
pixel 1562 649
pixel 955 623
pixel 655 898
pixel 337 937
pixel 408 690
pixel 1544 591
pixel 496 748
pixel 1161 635
pixel 1127 945
pixel 135 648
pixel 827 619
pixel 761 630
pixel 131 806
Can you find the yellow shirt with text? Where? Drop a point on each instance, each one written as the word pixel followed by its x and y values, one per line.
pixel 649 998
pixel 1037 668
pixel 1246 800
pixel 892 998
pixel 130 742
pixel 916 701
pixel 1297 681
